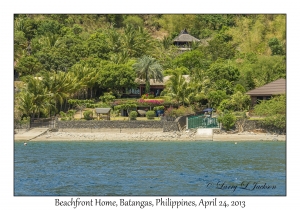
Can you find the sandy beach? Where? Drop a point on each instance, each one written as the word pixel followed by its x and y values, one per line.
pixel 137 135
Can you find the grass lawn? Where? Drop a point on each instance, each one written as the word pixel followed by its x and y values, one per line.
pixel 255 117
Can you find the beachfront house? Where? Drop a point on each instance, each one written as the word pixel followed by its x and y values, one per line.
pixel 156 87
pixel 267 91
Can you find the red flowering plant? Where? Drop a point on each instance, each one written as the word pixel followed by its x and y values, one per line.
pixel 150 102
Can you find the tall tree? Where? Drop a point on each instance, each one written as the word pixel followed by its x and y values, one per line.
pixel 148 68
pixel 35 95
pixel 178 89
pixel 29 65
pixel 60 85
pixel 87 76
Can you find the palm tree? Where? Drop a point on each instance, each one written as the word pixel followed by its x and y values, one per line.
pixel 26 104
pixel 148 68
pixel 59 85
pixel 177 87
pixel 200 84
pixel 35 95
pixel 87 76
pixel 129 40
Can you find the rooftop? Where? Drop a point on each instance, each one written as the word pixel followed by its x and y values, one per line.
pixel 184 36
pixel 273 88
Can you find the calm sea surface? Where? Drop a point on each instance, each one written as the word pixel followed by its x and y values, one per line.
pixel 149 168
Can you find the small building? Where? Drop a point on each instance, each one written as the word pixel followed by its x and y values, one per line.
pixel 265 92
pixel 184 41
pixel 103 111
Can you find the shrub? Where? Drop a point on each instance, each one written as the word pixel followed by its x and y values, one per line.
pixel 63 116
pixel 133 115
pixel 273 111
pixel 107 97
pixel 170 112
pixel 89 105
pixel 101 105
pixel 227 120
pixel 25 120
pixel 150 102
pixel 226 105
pixel 71 114
pixel 126 106
pixel 88 115
pixel 67 116
pixel 181 111
pixel 158 108
pixel 148 96
pixel 150 115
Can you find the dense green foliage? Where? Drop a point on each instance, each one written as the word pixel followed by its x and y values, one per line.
pixel 133 115
pixel 147 68
pixel 228 120
pixel 273 110
pixel 88 115
pixel 157 108
pixel 70 57
pixel 150 115
pixel 69 115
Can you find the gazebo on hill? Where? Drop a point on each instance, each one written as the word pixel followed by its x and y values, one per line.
pixel 184 40
pixel 265 92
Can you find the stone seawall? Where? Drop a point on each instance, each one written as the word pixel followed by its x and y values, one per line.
pixel 164 126
pixel 252 125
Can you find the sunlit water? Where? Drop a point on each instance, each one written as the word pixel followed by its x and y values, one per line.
pixel 149 168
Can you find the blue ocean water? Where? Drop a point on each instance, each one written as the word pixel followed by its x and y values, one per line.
pixel 167 168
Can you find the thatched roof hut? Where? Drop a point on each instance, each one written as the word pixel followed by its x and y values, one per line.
pixel 184 37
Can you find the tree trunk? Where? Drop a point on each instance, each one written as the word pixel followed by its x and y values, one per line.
pixel 61 106
pixel 147 87
pixel 66 101
pixel 95 91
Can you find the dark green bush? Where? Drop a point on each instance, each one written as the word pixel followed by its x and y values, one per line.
pixel 68 115
pixel 133 115
pixel 228 120
pixel 158 108
pixel 150 115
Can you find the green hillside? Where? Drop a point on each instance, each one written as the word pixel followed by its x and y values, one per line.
pixel 85 56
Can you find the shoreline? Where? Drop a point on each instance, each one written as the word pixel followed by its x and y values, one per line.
pixel 116 135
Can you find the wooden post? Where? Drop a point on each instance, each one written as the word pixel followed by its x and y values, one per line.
pixel 140 90
pixel 187 123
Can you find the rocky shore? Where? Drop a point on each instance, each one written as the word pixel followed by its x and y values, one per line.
pixel 135 135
